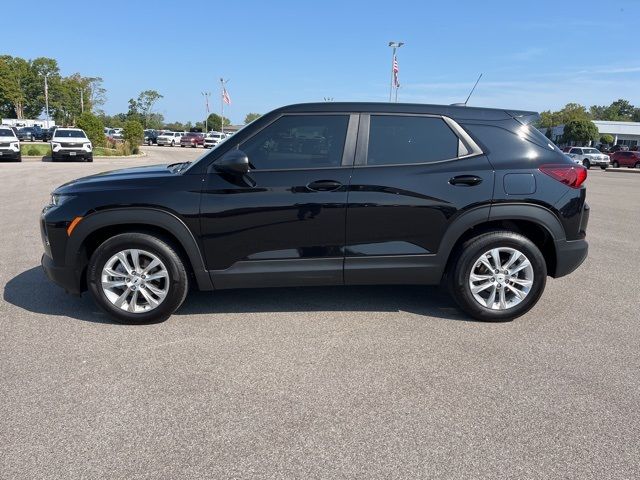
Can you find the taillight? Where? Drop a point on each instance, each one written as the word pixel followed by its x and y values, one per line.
pixel 571 175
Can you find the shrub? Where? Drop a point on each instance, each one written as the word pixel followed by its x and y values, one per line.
pixel 93 127
pixel 606 139
pixel 33 151
pixel 133 133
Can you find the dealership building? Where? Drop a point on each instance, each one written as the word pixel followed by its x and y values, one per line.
pixel 623 133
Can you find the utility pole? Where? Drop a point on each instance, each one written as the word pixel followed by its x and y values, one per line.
pixel 206 96
pixel 394 46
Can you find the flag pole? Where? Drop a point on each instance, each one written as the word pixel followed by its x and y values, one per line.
pixel 393 58
pixel 221 105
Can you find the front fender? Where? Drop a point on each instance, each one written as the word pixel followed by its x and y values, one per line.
pixel 138 217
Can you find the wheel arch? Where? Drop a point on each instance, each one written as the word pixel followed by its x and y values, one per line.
pixel 535 222
pixel 99 226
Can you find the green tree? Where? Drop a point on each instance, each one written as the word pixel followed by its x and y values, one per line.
pixel 93 127
pixel 580 130
pixel 142 106
pixel 620 110
pixel 606 139
pixel 15 75
pixel 133 133
pixel 214 122
pixel 250 117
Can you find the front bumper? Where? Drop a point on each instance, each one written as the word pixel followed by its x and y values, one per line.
pixel 569 256
pixel 9 154
pixel 67 278
pixel 599 162
pixel 72 154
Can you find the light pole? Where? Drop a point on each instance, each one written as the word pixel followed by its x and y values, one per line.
pixel 81 100
pixel 223 92
pixel 206 96
pixel 394 46
pixel 46 98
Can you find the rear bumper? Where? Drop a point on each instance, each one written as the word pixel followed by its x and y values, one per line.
pixel 569 256
pixel 67 278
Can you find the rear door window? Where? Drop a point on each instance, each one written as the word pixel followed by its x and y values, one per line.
pixel 405 139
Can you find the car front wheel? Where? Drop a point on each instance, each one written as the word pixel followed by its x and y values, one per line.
pixel 497 276
pixel 137 278
pixel 586 164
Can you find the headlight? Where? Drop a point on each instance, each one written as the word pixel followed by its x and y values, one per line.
pixel 58 199
pixel 15 145
pixel 87 146
pixel 54 144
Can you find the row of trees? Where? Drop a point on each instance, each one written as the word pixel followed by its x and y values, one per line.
pixel 578 120
pixel 22 90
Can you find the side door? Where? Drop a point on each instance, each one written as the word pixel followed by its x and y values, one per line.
pixel 284 222
pixel 413 175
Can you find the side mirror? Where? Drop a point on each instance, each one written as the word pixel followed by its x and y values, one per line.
pixel 234 162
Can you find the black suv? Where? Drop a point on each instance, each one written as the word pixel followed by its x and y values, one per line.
pixel 331 194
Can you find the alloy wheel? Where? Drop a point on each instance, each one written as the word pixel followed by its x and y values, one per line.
pixel 135 280
pixel 501 278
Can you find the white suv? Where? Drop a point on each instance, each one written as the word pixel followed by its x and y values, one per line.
pixel 9 145
pixel 589 157
pixel 71 144
pixel 169 138
pixel 213 138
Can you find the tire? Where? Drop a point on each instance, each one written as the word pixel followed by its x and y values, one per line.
pixel 603 167
pixel 586 164
pixel 468 259
pixel 175 283
pixel 637 165
pixel 181 146
pixel 615 164
pixel 89 159
pixel 173 143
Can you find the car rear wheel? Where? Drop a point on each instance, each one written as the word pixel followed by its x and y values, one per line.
pixel 615 164
pixel 173 143
pixel 137 278
pixel 497 276
pixel 586 164
pixel 637 165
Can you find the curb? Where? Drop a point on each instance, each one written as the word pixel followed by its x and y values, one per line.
pixel 100 157
pixel 623 170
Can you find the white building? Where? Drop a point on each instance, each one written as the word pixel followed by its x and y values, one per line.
pixel 623 133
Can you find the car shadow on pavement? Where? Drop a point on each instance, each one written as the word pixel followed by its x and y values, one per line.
pixel 32 291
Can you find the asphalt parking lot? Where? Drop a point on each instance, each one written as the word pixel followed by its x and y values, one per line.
pixel 366 382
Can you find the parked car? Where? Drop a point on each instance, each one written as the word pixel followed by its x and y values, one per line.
pixel 47 134
pixel 115 135
pixel 150 136
pixel 9 145
pixel 619 148
pixel 192 139
pixel 589 157
pixel 635 148
pixel 71 144
pixel 169 139
pixel 213 138
pixel 29 134
pixel 476 198
pixel 625 159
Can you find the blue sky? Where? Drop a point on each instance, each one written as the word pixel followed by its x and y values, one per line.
pixel 534 55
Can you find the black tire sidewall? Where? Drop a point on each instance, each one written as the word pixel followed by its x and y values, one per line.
pixel 178 282
pixel 472 249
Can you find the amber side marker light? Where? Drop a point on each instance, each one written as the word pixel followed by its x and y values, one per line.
pixel 74 223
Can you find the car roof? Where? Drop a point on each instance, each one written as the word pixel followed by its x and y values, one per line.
pixel 453 111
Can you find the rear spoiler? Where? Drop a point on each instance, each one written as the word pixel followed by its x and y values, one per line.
pixel 524 117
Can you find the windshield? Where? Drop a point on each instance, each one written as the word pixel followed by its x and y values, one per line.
pixel 70 133
pixel 5 132
pixel 591 150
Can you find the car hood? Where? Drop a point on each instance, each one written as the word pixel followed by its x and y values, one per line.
pixel 106 180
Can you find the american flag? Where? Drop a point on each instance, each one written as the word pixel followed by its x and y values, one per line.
pixel 396 69
pixel 225 96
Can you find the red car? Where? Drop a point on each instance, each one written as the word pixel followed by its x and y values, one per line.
pixel 192 139
pixel 625 159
